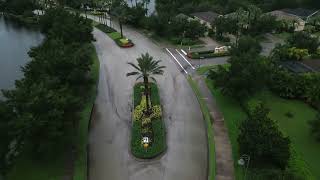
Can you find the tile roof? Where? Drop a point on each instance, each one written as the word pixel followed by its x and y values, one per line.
pixel 300 12
pixel 208 16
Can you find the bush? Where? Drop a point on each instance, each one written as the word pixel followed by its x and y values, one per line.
pixel 125 43
pixel 206 54
pixel 116 36
pixel 156 127
pixel 263 141
pixel 299 86
pixel 304 40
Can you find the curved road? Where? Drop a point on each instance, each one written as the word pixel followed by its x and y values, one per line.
pixel 109 156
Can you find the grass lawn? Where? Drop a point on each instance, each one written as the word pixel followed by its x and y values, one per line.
pixel 207 118
pixel 305 150
pixel 283 35
pixel 26 168
pixel 114 35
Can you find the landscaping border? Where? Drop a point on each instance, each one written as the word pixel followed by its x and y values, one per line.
pixel 159 147
pixel 206 54
pixel 115 36
pixel 207 117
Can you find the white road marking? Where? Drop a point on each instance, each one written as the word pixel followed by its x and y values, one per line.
pixel 176 60
pixel 185 59
pixel 183 52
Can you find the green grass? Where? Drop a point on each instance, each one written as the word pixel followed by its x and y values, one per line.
pixel 159 140
pixel 80 168
pixel 305 150
pixel 114 35
pixel 103 28
pixel 207 118
pixel 296 128
pixel 233 116
pixel 283 35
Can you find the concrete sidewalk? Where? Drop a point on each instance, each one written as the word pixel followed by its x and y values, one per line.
pixel 224 161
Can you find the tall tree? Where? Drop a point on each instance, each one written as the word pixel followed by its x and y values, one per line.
pixel 261 139
pixel 146 69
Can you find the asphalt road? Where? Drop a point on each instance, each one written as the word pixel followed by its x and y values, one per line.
pixel 109 155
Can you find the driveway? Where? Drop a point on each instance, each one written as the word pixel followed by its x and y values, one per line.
pixel 109 155
pixel 269 44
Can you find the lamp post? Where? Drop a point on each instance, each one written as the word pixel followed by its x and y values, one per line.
pixel 244 161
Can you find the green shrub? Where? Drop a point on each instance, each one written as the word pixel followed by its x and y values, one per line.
pixel 206 54
pixel 105 29
pixel 157 126
pixel 114 35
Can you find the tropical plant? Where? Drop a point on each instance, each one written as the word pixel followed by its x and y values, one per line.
pixel 304 40
pixel 146 69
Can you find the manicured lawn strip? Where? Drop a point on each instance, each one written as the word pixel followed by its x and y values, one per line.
pixel 80 168
pixel 304 149
pixel 207 118
pixel 206 54
pixel 115 36
pixel 104 28
pixel 159 141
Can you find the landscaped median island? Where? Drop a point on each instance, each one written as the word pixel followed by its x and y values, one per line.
pixel 148 138
pixel 116 36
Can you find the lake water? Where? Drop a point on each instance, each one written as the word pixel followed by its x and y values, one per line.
pixel 151 5
pixel 15 42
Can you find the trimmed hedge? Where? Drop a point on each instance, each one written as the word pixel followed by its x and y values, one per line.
pixel 115 36
pixel 105 29
pixel 206 54
pixel 120 43
pixel 159 133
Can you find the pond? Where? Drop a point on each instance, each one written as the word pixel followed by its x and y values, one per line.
pixel 151 5
pixel 15 42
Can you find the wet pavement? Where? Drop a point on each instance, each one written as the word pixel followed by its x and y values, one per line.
pixel 109 154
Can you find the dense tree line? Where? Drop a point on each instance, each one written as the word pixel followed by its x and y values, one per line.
pixel 250 73
pixel 17 6
pixel 40 115
pixel 226 6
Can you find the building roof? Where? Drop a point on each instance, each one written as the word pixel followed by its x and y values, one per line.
pixel 208 16
pixel 284 15
pixel 312 63
pixel 296 67
pixel 182 16
pixel 300 12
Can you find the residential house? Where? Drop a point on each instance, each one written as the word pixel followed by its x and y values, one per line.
pixel 299 16
pixel 206 18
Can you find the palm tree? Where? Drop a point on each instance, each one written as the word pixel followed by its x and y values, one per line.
pixel 146 68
